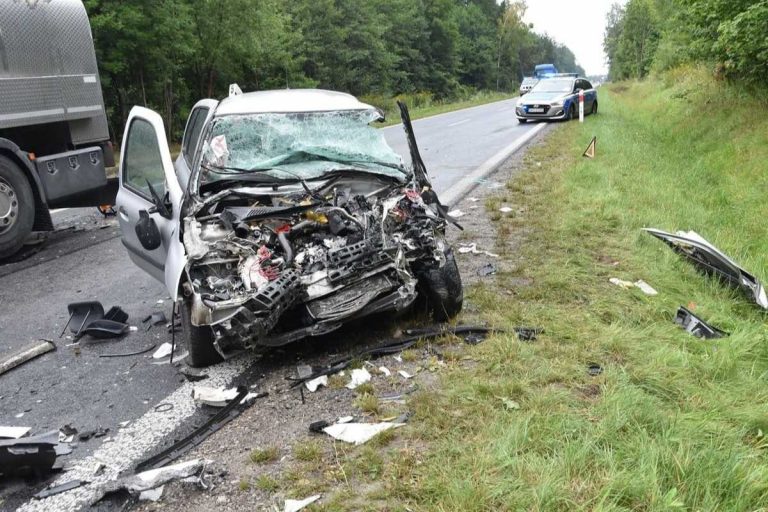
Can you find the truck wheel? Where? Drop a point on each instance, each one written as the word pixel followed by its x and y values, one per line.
pixel 443 290
pixel 199 340
pixel 17 208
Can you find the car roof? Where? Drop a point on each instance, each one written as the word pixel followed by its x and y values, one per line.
pixel 289 100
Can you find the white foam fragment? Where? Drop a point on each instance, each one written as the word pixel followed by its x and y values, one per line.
pixel 358 376
pixel 313 384
pixel 358 433
pixel 296 505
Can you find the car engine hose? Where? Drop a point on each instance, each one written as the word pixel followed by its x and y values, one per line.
pixel 305 225
pixel 287 249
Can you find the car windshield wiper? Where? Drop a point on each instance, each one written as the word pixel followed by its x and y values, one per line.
pixel 258 175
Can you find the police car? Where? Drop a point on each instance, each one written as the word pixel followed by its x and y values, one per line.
pixel 557 98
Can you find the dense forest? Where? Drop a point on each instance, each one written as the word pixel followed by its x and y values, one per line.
pixel 731 36
pixel 167 54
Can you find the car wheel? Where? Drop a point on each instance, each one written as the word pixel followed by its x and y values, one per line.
pixel 594 107
pixel 17 208
pixel 522 121
pixel 442 289
pixel 571 113
pixel 199 340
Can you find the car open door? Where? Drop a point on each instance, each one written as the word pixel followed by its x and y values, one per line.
pixel 199 116
pixel 149 200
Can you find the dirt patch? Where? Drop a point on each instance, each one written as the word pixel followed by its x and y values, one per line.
pixel 290 462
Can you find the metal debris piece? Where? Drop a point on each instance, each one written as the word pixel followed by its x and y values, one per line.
pixel 385 371
pixel 127 354
pixel 152 494
pixel 642 285
pixel 472 249
pixel 404 374
pixel 456 213
pixel 296 505
pixel 486 270
pixel 216 422
pixel 153 478
pixel 358 433
pixel 318 426
pixel 713 262
pixel 13 432
pixel 528 333
pixel 58 489
pixel 594 369
pixel 313 384
pixel 193 374
pixel 163 351
pixel 215 397
pixel 696 326
pixel 29 455
pixel 358 376
pixel 25 354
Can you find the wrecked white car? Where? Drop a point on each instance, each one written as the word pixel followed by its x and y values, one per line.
pixel 286 215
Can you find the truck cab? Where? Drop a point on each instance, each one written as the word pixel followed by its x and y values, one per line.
pixel 54 137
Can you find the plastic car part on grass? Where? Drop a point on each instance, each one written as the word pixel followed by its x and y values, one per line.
pixel 712 261
pixel 696 326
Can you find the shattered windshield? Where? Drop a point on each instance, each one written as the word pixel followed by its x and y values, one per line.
pixel 551 85
pixel 306 145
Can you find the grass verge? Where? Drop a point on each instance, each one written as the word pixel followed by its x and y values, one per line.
pixel 673 422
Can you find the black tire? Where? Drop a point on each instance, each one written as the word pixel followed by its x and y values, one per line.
pixel 18 208
pixel 594 108
pixel 199 340
pixel 522 121
pixel 443 290
pixel 571 113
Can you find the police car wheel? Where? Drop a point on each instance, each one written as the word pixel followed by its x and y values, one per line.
pixel 17 208
pixel 571 113
pixel 594 107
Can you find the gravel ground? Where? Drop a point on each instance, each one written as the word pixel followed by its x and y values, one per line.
pixel 281 420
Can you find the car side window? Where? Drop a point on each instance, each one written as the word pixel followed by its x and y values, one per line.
pixel 142 161
pixel 587 85
pixel 192 135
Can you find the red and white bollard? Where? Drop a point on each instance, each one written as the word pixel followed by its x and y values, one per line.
pixel 581 106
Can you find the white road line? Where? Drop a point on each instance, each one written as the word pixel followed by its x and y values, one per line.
pixel 134 442
pixel 470 181
pixel 458 122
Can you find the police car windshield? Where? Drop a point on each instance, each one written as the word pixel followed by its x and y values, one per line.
pixel 554 85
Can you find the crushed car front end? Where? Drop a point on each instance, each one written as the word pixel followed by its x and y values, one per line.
pixel 331 229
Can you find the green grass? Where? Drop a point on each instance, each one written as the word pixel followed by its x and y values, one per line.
pixel 264 455
pixel 673 422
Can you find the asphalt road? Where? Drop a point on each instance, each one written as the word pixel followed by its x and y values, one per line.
pixel 84 260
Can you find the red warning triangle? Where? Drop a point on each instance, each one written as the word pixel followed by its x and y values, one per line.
pixel 590 152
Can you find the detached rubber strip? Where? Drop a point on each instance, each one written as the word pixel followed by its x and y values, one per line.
pixel 58 489
pixel 200 434
pixel 415 335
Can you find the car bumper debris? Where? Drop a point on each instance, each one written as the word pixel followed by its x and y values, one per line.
pixel 696 326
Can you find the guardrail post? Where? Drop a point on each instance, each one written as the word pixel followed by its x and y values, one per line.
pixel 581 106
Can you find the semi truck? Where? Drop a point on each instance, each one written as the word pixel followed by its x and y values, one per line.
pixel 54 138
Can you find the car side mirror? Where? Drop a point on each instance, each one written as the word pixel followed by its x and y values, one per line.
pixel 162 205
pixel 147 231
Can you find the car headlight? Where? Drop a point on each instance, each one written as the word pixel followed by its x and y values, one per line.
pixel 557 103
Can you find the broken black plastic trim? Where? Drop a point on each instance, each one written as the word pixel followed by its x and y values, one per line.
pixel 419 169
pixel 696 326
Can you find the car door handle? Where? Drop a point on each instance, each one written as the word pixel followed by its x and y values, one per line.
pixel 123 214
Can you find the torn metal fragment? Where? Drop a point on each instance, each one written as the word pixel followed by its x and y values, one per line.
pixel 58 489
pixel 215 397
pixel 696 326
pixel 712 262
pixel 28 455
pixel 25 354
pixel 358 433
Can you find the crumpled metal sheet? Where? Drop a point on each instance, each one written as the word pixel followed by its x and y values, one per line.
pixel 712 261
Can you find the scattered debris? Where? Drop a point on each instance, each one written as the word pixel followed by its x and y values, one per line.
pixel 385 371
pixel 404 374
pixel 505 209
pixel 152 494
pixel 105 329
pixel 345 419
pixel 528 333
pixel 13 432
pixel 128 354
pixel 89 318
pixel 358 376
pixel 164 407
pixel 313 384
pixel 296 505
pixel 154 478
pixel 163 351
pixel 456 213
pixel 318 426
pixel 473 199
pixel 645 287
pixel 193 374
pixel 29 455
pixel 696 326
pixel 358 433
pixel 486 270
pixel 472 248
pixel 215 397
pixel 67 434
pixel 510 404
pixel 594 369
pixel 712 261
pixel 25 354
pixel 216 422
pixel 58 489
pixel 88 434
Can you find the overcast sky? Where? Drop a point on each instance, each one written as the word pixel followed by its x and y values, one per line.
pixel 578 25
